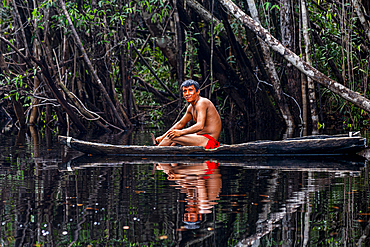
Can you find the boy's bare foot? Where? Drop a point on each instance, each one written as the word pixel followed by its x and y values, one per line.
pixel 153 139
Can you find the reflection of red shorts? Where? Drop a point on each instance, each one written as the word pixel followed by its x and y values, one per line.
pixel 212 143
pixel 211 167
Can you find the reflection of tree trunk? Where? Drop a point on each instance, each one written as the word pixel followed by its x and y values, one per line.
pixel 48 137
pixel 21 137
pixel 271 189
pixel 299 198
pixel 35 139
pixel 19 112
pixel 306 232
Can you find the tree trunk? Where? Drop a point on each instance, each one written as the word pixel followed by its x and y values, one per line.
pixel 180 50
pixel 274 78
pixel 36 83
pixel 310 83
pixel 304 101
pixel 18 18
pixel 303 66
pixel 289 40
pixel 360 14
pixel 123 68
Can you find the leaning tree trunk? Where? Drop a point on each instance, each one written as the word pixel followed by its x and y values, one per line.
pixel 303 66
pixel 310 83
pixel 280 99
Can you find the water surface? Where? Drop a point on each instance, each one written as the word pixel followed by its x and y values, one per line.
pixel 54 196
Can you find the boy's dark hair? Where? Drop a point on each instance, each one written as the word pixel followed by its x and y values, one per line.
pixel 190 82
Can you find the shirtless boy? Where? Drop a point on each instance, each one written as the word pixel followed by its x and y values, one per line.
pixel 207 127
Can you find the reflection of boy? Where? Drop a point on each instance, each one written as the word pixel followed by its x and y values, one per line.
pixel 202 185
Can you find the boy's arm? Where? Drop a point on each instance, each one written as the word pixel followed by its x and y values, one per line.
pixel 178 126
pixel 198 126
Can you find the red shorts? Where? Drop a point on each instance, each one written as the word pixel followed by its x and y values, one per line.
pixel 212 143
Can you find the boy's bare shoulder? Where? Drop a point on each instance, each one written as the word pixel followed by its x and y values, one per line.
pixel 205 100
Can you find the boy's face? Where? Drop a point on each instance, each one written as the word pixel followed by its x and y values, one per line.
pixel 190 93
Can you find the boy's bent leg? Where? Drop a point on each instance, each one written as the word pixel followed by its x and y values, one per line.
pixel 166 142
pixel 189 140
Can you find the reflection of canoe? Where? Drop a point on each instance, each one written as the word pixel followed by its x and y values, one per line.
pixel 307 163
pixel 311 145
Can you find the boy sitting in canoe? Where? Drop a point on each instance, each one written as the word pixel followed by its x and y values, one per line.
pixel 207 127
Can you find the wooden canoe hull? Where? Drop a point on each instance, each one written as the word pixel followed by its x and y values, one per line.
pixel 313 145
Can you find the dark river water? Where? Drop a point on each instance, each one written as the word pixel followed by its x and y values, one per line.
pixel 54 196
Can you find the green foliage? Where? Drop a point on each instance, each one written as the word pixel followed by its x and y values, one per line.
pixel 217 29
pixel 349 59
pixel 19 89
pixel 269 6
pixel 353 117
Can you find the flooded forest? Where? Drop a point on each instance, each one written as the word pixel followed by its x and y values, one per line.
pixel 110 71
pixel 113 65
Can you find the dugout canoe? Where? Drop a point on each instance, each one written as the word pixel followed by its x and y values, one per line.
pixel 304 146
